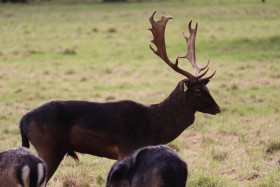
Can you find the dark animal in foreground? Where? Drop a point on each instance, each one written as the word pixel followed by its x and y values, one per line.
pixel 115 129
pixel 20 167
pixel 152 166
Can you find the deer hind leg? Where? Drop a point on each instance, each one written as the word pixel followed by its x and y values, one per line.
pixel 52 158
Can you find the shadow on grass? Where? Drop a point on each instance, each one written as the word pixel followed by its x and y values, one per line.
pixel 273 147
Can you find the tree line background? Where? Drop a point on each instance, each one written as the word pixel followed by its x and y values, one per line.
pixel 29 1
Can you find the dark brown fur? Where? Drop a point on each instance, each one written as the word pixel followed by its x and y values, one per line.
pixel 114 129
pixel 152 166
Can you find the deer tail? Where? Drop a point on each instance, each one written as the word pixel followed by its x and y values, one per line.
pixel 24 139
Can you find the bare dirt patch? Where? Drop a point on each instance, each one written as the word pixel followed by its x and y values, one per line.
pixel 193 139
pixel 226 138
pixel 228 171
pixel 258 82
pixel 250 177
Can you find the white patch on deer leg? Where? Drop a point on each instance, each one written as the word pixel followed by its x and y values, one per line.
pixel 25 172
pixel 40 171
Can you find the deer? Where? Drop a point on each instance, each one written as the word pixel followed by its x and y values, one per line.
pixel 115 129
pixel 21 167
pixel 154 166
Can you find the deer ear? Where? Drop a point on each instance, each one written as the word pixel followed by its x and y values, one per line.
pixel 184 86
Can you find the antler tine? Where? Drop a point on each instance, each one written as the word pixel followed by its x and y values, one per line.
pixel 158 30
pixel 191 49
pixel 209 76
pixel 199 76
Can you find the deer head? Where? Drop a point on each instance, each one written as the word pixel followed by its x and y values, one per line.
pixel 194 87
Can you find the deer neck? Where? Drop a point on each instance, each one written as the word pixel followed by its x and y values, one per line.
pixel 170 117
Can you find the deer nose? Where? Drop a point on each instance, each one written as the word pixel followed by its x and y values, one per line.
pixel 218 110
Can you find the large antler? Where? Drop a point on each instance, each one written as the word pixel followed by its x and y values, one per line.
pixel 191 49
pixel 158 30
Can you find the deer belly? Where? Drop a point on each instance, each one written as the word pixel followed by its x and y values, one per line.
pixel 94 143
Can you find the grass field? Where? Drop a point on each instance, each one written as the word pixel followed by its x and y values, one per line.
pixel 99 52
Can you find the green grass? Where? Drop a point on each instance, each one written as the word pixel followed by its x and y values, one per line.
pixel 99 52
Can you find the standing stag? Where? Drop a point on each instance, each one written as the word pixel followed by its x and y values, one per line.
pixel 20 167
pixel 115 129
pixel 152 166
